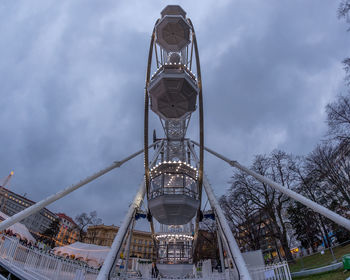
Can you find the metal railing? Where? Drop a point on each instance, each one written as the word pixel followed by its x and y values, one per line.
pixel 279 271
pixel 173 190
pixel 322 257
pixel 39 264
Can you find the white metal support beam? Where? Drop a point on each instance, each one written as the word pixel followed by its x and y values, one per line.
pixel 225 244
pixel 298 197
pixel 127 248
pixel 118 240
pixel 221 252
pixel 52 198
pixel 127 223
pixel 227 233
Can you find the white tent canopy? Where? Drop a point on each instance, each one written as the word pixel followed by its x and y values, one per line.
pixel 94 255
pixel 19 229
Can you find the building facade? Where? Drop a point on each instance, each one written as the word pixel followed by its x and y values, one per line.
pixel 68 232
pixel 11 203
pixel 141 245
pixel 259 233
pixel 256 234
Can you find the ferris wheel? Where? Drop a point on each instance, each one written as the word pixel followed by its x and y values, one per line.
pixel 174 178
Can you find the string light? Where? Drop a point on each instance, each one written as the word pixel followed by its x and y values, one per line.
pixel 175 236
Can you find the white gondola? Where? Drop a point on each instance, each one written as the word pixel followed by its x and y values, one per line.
pixel 173 196
pixel 173 31
pixel 173 92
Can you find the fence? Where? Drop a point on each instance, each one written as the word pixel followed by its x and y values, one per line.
pixel 33 263
pixel 40 265
pixel 323 257
pixel 278 271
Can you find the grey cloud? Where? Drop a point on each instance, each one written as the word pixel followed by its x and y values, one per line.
pixel 72 87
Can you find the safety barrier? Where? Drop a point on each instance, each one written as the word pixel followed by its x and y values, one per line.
pixel 39 264
pixel 32 263
pixel 279 271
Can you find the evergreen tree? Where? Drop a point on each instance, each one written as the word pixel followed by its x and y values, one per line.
pixel 305 225
pixel 51 232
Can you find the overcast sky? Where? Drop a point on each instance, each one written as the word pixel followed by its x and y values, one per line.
pixel 72 77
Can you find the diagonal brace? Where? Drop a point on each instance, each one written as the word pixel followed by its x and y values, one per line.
pixel 52 198
pixel 296 196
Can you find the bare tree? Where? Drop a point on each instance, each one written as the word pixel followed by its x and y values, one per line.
pixel 244 219
pixel 85 220
pixel 271 204
pixel 207 245
pixel 346 63
pixel 330 167
pixel 344 12
pixel 309 186
pixel 306 227
pixel 338 118
pixel 320 174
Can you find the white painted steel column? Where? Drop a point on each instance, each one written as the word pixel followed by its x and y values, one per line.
pixel 43 203
pixel 221 253
pixel 118 240
pixel 237 255
pixel 130 218
pixel 233 246
pixel 298 197
pixel 127 247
